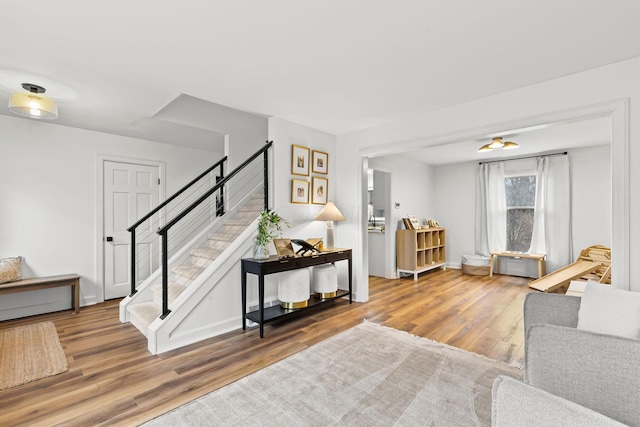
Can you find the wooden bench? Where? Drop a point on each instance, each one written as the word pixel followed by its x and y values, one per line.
pixel 36 283
pixel 495 258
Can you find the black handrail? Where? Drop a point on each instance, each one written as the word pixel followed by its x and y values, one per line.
pixel 132 229
pixel 179 192
pixel 163 232
pixel 213 189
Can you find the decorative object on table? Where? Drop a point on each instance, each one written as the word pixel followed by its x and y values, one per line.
pixel 329 214
pixel 431 223
pixel 415 224
pixel 299 160
pixel 10 269
pixel 319 188
pixel 306 246
pixel 284 249
pixel 320 162
pixel 299 191
pixel 268 224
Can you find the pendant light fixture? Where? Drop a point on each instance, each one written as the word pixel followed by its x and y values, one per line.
pixel 497 143
pixel 32 103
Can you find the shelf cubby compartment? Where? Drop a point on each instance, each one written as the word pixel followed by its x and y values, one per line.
pixel 420 250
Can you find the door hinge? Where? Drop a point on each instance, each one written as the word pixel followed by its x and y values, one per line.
pixel 158 181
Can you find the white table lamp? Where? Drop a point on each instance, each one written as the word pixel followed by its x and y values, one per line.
pixel 330 213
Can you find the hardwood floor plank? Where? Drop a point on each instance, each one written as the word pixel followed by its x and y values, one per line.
pixel 114 380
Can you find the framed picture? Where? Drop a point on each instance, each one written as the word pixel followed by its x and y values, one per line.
pixel 284 248
pixel 299 160
pixel 320 161
pixel 319 190
pixel 299 191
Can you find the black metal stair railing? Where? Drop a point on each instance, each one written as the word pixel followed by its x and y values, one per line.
pixel 134 228
pixel 211 201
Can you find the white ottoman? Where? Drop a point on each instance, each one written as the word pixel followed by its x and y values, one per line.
pixel 293 289
pixel 325 281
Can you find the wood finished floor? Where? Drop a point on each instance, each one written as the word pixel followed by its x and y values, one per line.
pixel 113 380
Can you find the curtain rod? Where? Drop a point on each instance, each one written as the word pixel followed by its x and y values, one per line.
pixel 564 153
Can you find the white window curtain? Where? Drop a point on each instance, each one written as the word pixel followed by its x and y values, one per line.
pixel 491 209
pixel 552 215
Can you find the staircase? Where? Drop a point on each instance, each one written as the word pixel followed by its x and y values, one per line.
pixel 183 274
pixel 192 295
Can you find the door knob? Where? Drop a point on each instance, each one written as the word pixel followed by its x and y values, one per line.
pixel 109 239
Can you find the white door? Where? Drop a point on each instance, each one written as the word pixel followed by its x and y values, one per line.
pixel 130 192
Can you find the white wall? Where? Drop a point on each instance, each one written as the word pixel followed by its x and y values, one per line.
pixel 591 197
pixel 412 186
pixel 49 197
pixel 604 91
pixel 455 201
pixel 301 217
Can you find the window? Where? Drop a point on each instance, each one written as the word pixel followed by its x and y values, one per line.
pixel 521 200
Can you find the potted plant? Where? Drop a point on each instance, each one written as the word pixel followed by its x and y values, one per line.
pixel 269 224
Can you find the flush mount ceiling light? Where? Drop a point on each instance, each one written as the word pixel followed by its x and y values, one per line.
pixel 497 143
pixel 32 103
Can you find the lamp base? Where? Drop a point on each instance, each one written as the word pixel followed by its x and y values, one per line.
pixel 329 242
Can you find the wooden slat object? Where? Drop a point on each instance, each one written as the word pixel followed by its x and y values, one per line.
pixel 599 254
pixel 565 275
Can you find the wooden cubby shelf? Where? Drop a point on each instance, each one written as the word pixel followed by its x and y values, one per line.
pixel 420 250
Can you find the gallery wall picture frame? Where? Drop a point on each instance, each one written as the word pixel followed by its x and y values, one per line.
pixel 319 162
pixel 299 160
pixel 319 188
pixel 299 191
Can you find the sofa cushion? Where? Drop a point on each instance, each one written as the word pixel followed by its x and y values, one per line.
pixel 607 310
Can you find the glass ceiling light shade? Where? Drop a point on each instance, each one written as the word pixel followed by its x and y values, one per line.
pixel 32 103
pixel 508 145
pixel 497 143
pixel 330 213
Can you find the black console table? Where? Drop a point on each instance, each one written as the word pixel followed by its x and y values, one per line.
pixel 275 264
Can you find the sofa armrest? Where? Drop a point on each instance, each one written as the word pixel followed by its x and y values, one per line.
pixel 551 309
pixel 598 371
pixel 515 403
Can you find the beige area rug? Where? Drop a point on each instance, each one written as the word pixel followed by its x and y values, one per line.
pixel 29 353
pixel 369 375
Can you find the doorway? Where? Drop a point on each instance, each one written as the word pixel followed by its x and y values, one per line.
pixel 129 191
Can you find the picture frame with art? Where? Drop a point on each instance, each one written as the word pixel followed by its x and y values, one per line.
pixel 299 191
pixel 299 160
pixel 319 189
pixel 319 162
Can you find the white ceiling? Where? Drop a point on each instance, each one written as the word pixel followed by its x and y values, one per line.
pixel 333 65
pixel 543 139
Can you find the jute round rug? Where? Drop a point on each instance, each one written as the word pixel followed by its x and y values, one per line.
pixel 369 375
pixel 29 353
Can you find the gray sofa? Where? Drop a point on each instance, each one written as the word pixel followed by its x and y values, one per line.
pixel 572 377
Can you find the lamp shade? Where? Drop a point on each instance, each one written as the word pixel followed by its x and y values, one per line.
pixel 330 213
pixel 33 103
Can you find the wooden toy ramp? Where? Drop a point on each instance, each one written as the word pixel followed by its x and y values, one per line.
pixel 592 263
